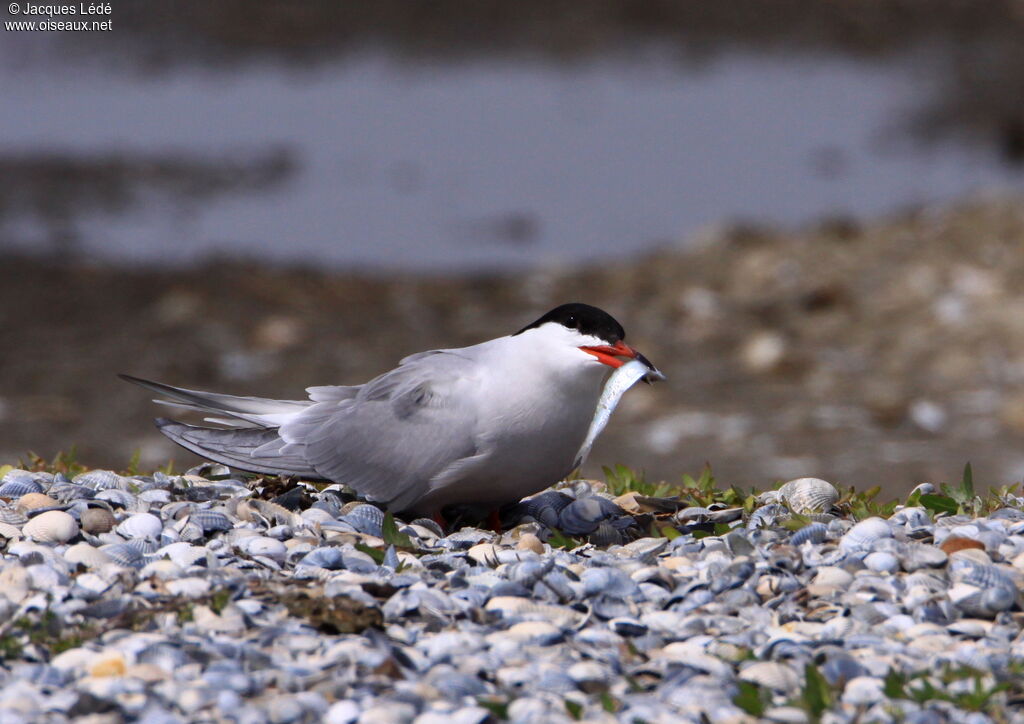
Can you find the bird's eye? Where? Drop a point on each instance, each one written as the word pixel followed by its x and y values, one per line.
pixel 571 322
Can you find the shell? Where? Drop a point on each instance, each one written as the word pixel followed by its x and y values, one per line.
pixel 183 554
pixel 915 556
pixel 102 480
pixel 162 568
pixel 605 535
pixel 811 533
pixel 141 525
pixel 124 555
pixel 12 516
pixel 523 609
pixel 53 526
pixel 863 535
pixel 581 517
pixel 118 498
pixel 68 492
pixel 366 518
pixel 545 507
pixel 882 562
pixel 265 547
pixel 911 518
pixel 97 520
pixel 964 570
pixel 210 520
pixel 809 495
pixel 17 487
pixel 325 557
pixel 772 675
pixel 34 501
pixel 86 554
pixel 767 516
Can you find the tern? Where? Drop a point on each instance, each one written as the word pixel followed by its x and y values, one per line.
pixel 481 425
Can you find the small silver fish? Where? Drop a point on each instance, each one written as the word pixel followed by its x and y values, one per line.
pixel 621 380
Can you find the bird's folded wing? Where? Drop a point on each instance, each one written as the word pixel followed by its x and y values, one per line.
pixel 400 431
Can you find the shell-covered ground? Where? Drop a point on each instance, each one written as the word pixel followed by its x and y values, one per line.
pixel 211 597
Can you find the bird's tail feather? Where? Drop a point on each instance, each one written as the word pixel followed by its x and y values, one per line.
pixel 253 410
pixel 234 448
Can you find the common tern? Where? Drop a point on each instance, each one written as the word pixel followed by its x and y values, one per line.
pixel 482 425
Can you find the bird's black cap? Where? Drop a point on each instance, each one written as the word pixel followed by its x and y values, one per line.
pixel 585 319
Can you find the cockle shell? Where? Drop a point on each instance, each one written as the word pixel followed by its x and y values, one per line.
pixel 53 526
pixel 34 501
pixel 811 533
pixel 140 525
pixel 523 609
pixel 97 520
pixel 863 535
pixel 15 487
pixel 265 547
pixel 582 516
pixel 86 554
pixel 365 518
pixel 211 520
pixel 102 480
pixel 809 495
pixel 771 674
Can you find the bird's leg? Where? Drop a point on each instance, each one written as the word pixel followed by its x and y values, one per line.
pixel 494 520
pixel 439 519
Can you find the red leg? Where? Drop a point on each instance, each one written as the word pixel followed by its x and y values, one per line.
pixel 494 520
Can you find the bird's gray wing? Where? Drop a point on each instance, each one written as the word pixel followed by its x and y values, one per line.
pixel 399 431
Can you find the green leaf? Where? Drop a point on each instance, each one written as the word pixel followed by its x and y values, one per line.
pixel 894 684
pixel 220 599
pixel 574 708
pixel 939 503
pixel 133 464
pixel 375 553
pixel 392 536
pixel 967 482
pixel 750 698
pixel 816 695
pixel 4 469
pixel 670 532
pixel 498 708
pixel 559 539
pixel 608 703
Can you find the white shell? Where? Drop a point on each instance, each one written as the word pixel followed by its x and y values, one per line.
pixel 809 495
pixel 86 554
pixel 162 569
pixel 184 554
pixel 772 675
pixel 9 531
pixel 863 535
pixel 141 525
pixel 882 562
pixel 191 587
pixel 266 547
pixel 53 526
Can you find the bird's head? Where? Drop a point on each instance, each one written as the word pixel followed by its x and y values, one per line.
pixel 592 331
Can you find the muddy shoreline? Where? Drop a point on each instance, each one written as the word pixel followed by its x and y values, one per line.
pixel 889 354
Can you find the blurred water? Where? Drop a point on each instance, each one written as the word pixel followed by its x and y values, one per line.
pixel 488 163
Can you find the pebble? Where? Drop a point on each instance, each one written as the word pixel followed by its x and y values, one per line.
pixel 193 598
